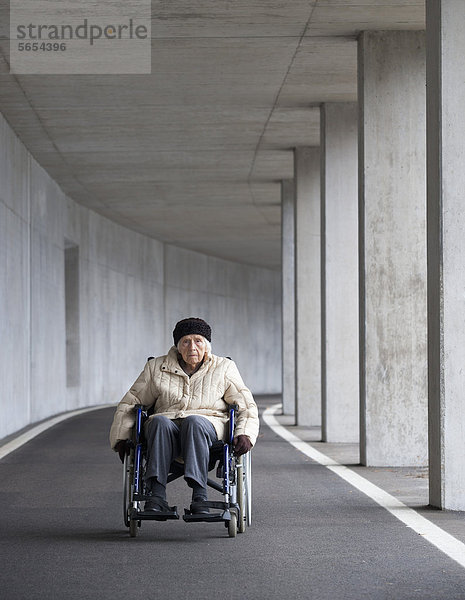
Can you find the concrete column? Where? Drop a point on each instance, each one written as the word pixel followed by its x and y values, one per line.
pixel 307 286
pixel 288 296
pixel 339 268
pixel 392 209
pixel 446 252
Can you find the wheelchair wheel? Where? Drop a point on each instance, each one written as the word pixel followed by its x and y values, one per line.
pixel 247 465
pixel 241 500
pixel 127 481
pixel 232 525
pixel 244 492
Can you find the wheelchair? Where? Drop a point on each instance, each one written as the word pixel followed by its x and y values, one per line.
pixel 234 473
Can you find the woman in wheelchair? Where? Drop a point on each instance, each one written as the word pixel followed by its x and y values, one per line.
pixel 189 391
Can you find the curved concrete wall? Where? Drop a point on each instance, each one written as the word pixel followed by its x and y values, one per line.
pixel 116 305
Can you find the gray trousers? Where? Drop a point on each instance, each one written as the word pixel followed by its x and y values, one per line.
pixel 190 438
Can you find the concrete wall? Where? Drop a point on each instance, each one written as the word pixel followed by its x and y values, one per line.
pixel 288 295
pixel 129 291
pixel 241 303
pixel 392 242
pixel 339 267
pixel 446 253
pixel 307 285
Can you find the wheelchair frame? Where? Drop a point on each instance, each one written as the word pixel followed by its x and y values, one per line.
pixel 235 510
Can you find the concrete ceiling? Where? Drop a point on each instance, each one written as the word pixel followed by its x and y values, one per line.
pixel 193 153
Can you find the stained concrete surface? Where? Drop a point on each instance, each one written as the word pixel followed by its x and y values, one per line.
pixel 312 535
pixel 392 242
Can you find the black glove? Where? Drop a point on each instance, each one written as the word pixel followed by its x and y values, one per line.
pixel 123 447
pixel 242 444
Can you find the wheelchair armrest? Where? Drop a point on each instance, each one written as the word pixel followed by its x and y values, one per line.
pixel 141 417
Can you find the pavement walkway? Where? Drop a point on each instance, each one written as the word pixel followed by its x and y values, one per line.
pixel 313 535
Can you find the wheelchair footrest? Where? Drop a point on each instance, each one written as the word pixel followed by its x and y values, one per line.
pixel 215 504
pixel 206 517
pixel 155 515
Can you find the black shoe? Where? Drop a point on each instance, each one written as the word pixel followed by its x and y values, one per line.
pixel 198 507
pixel 156 504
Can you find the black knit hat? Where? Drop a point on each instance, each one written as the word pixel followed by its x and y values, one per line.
pixel 192 326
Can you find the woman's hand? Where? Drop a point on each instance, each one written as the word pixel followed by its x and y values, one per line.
pixel 123 447
pixel 242 444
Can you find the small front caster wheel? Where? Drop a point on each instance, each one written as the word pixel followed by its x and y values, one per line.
pixel 133 527
pixel 232 525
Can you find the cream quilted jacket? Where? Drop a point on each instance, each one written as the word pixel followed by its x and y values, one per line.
pixel 208 392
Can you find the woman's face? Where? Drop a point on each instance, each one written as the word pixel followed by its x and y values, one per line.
pixel 192 349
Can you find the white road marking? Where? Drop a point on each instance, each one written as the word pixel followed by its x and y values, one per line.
pixel 445 542
pixel 22 439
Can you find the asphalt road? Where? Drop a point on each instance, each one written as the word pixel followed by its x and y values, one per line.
pixel 312 536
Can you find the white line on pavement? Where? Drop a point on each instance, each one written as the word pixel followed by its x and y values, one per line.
pixel 32 433
pixel 445 542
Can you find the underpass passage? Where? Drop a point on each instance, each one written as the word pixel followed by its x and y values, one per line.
pixel 312 534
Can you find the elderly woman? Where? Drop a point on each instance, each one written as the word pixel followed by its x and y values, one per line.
pixel 190 390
